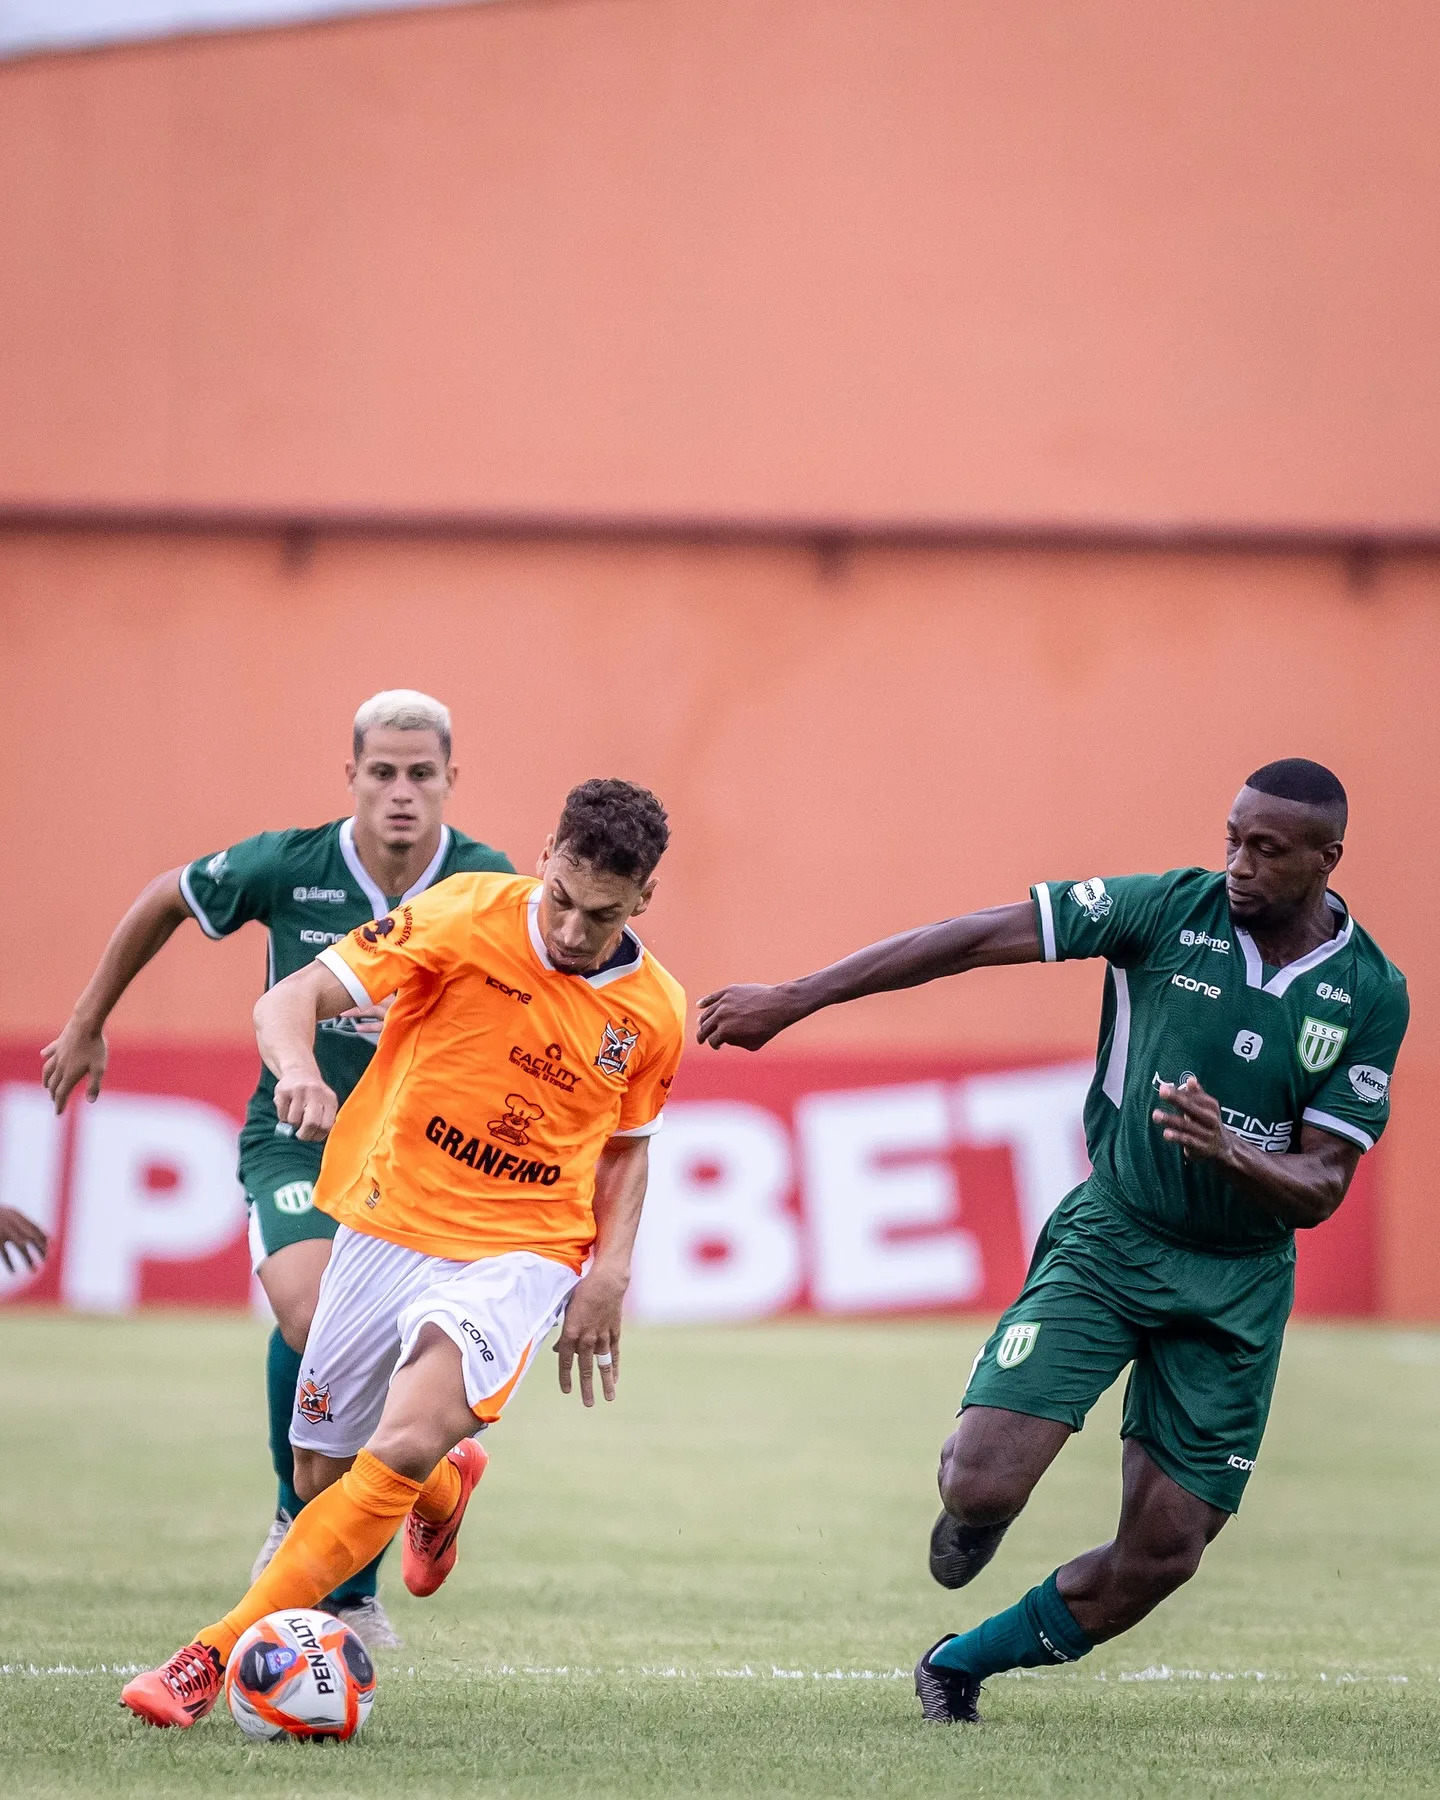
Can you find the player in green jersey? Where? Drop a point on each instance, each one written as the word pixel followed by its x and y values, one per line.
pixel 309 888
pixel 1247 1039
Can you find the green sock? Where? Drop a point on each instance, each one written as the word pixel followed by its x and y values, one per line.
pixel 1040 1628
pixel 282 1374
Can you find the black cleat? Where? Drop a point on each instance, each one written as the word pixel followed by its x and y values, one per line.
pixel 947 1696
pixel 959 1552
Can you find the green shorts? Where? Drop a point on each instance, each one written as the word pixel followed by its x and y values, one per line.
pixel 279 1180
pixel 1202 1331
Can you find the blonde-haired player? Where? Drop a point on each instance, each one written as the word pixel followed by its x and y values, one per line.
pixel 308 888
pixel 487 1175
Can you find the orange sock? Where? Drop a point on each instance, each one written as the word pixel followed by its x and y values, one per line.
pixel 441 1493
pixel 335 1535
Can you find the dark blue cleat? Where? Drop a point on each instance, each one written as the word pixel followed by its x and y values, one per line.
pixel 947 1696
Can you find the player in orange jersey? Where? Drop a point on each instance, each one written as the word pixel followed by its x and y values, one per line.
pixel 487 1174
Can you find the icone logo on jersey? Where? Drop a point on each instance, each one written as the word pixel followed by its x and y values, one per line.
pixel 1191 986
pixel 1091 898
pixel 1200 940
pixel 334 896
pixel 1338 994
pixel 1370 1084
pixel 512 993
pixel 308 936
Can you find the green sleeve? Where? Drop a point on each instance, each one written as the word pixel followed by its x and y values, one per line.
pixel 1117 917
pixel 1353 1101
pixel 234 886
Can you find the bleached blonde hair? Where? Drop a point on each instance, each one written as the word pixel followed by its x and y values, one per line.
pixel 402 709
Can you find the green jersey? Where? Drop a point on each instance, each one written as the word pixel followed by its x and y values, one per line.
pixel 1186 993
pixel 309 888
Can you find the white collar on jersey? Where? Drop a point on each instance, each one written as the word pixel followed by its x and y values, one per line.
pixel 605 976
pixel 380 905
pixel 1277 984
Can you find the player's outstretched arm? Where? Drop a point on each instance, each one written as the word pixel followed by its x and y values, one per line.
pixel 591 1332
pixel 1301 1189
pixel 79 1053
pixel 285 1019
pixel 750 1015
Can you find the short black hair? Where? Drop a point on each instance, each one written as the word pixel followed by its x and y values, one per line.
pixel 615 826
pixel 1309 783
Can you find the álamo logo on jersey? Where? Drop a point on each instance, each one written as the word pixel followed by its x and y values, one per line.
pixel 1320 1044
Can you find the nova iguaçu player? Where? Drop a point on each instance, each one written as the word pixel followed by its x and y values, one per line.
pixel 1247 1039
pixel 308 888
pixel 487 1175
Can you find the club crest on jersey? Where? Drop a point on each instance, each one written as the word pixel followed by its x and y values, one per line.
pixel 520 1115
pixel 313 1403
pixel 1320 1044
pixel 616 1046
pixel 1016 1345
pixel 1091 898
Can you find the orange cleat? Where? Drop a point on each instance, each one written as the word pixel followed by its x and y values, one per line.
pixel 428 1553
pixel 180 1691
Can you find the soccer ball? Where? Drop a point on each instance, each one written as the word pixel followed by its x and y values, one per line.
pixel 300 1674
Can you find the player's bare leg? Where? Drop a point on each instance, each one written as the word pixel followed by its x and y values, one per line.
pixel 987 1475
pixel 988 1467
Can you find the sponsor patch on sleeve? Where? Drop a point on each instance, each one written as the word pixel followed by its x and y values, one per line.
pixel 1091 898
pixel 1370 1084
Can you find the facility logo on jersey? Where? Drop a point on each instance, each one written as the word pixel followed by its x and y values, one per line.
pixel 1320 1044
pixel 616 1046
pixel 1091 898
pixel 548 1068
pixel 1016 1345
pixel 1370 1084
pixel 1248 1044
pixel 313 1403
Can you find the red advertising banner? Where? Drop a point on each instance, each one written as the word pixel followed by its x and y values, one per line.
pixel 834 1185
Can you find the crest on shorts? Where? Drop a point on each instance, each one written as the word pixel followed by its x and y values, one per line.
pixel 313 1403
pixel 1016 1345
pixel 520 1115
pixel 1320 1044
pixel 616 1046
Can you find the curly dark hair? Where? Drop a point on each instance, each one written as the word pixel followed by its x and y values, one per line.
pixel 614 826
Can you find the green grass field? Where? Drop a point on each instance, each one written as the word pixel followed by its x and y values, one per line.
pixel 718 1586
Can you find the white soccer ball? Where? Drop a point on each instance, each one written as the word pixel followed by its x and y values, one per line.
pixel 300 1674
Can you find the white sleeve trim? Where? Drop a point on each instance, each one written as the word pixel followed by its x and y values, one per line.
pixel 1041 891
pixel 640 1131
pixel 345 975
pixel 187 894
pixel 1312 1115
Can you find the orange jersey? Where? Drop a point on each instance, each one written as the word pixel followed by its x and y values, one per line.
pixel 498 1080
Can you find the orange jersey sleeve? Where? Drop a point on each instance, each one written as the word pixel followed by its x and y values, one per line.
pixel 649 1085
pixel 425 936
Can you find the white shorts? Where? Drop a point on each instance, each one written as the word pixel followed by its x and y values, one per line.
pixel 374 1298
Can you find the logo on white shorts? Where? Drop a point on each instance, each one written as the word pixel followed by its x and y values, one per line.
pixel 1016 1345
pixel 313 1403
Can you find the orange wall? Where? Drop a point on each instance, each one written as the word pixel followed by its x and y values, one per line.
pixel 845 750
pixel 941 259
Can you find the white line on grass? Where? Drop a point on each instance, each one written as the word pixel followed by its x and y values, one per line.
pixel 568 1672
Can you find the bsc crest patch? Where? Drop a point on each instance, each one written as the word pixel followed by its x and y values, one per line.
pixel 1016 1345
pixel 1320 1044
